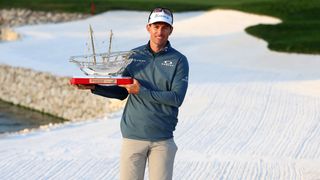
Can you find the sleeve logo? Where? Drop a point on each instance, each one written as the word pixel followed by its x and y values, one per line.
pixel 185 79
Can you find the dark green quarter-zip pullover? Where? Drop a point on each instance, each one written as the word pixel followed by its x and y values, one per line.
pixel 152 114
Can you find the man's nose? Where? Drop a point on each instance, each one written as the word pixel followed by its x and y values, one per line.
pixel 161 31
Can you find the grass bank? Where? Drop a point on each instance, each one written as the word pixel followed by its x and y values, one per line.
pixel 299 32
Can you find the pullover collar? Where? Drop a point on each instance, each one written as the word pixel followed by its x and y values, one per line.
pixel 163 50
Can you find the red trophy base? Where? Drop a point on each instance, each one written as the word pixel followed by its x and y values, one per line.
pixel 101 80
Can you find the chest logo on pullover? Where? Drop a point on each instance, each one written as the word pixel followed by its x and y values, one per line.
pixel 167 63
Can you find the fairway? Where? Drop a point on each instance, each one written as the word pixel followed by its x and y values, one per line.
pixel 299 32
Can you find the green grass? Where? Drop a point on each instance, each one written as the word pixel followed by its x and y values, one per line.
pixel 299 32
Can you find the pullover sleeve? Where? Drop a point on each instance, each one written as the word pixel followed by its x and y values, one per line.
pixel 175 96
pixel 115 92
pixel 110 92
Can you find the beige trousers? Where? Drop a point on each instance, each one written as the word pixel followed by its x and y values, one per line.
pixel 159 155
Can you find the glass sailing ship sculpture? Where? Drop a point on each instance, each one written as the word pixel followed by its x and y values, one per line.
pixel 102 68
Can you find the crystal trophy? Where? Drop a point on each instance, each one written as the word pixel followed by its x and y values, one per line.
pixel 102 68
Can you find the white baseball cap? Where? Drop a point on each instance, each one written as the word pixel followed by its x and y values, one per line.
pixel 161 15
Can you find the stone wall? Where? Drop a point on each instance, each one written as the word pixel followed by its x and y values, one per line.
pixel 53 95
pixel 10 18
pixel 19 17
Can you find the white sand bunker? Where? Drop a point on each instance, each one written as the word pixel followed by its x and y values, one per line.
pixel 249 113
pixel 219 22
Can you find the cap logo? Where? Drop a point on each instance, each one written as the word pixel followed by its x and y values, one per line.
pixel 161 15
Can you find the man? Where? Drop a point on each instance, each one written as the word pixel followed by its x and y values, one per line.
pixel 160 83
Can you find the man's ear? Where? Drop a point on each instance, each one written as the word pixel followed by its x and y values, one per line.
pixel 171 30
pixel 148 27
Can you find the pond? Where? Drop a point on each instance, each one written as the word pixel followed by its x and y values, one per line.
pixel 14 118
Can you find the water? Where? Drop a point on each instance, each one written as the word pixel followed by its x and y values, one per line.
pixel 14 118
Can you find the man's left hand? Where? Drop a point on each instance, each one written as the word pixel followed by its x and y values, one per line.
pixel 133 88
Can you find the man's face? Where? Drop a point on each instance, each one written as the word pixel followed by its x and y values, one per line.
pixel 159 33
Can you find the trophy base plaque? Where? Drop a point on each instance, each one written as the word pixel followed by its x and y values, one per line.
pixel 101 80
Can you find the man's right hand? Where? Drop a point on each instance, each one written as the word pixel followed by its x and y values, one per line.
pixel 82 86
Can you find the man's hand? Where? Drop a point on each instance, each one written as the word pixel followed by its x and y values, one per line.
pixel 132 88
pixel 82 86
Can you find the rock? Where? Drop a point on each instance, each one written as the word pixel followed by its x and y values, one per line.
pixel 7 34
